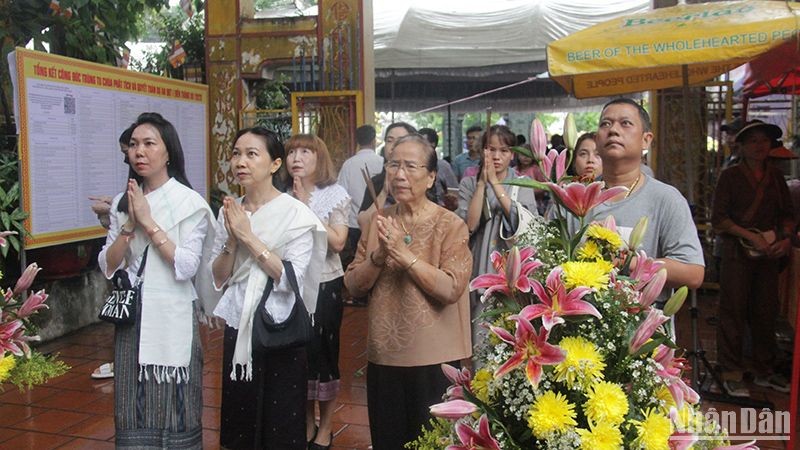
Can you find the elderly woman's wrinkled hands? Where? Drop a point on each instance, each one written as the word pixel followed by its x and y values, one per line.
pixel 391 239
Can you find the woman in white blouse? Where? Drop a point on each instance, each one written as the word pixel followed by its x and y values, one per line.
pixel 263 394
pixel 314 183
pixel 158 362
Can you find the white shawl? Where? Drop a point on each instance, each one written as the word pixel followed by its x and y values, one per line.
pixel 276 223
pixel 165 339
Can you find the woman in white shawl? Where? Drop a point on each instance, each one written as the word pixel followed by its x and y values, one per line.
pixel 158 361
pixel 263 394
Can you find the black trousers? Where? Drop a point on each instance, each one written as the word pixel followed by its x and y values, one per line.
pixel 268 412
pixel 398 399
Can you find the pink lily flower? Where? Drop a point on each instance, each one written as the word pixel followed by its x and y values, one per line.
pixel 645 269
pixel 453 409
pixel 480 439
pixel 655 317
pixel 538 140
pixel 512 273
pixel 745 446
pixel 670 370
pixel 653 288
pixel 680 439
pixel 11 337
pixel 34 303
pixel 581 198
pixel 8 295
pixel 26 280
pixel 3 235
pixel 530 347
pixel 460 379
pixel 557 160
pixel 610 223
pixel 557 302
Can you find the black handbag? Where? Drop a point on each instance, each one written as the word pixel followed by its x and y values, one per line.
pixel 122 304
pixel 295 331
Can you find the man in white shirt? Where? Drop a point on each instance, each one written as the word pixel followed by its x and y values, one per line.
pixel 352 180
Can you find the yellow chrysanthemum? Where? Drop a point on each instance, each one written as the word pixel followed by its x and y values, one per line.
pixel 7 363
pixel 480 384
pixel 601 233
pixel 653 431
pixel 606 402
pixel 602 436
pixel 590 251
pixel 593 274
pixel 663 394
pixel 551 413
pixel 583 364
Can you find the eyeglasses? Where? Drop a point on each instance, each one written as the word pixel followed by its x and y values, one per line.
pixel 409 167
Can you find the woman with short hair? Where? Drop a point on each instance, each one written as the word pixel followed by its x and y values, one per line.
pixel 413 261
pixel 314 183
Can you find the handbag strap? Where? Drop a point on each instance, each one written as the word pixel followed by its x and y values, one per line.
pixel 144 260
pixel 288 270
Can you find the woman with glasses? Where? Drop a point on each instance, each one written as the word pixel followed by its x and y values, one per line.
pixel 413 262
pixel 488 206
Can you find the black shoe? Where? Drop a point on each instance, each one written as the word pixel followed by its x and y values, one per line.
pixel 314 446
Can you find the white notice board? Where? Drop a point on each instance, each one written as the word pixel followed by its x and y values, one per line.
pixel 70 114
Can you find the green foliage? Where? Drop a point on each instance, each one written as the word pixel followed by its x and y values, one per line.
pixel 171 26
pixel 434 437
pixel 95 30
pixel 587 121
pixel 36 370
pixel 272 94
pixel 547 119
pixel 11 215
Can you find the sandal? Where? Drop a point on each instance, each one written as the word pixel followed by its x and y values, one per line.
pixel 104 371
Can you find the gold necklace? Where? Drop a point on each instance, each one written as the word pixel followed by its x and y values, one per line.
pixel 633 186
pixel 407 238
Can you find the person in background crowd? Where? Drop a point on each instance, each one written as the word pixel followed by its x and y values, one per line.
pixel 314 178
pixel 101 206
pixel 393 132
pixel 445 178
pixel 414 263
pixel 586 163
pixel 485 204
pixel 472 157
pixel 161 223
pixel 351 179
pixel 752 211
pixel 263 392
pixel 557 142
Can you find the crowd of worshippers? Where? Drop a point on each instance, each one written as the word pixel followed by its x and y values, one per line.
pixel 402 231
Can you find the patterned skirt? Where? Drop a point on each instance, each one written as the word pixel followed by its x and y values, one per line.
pixel 152 415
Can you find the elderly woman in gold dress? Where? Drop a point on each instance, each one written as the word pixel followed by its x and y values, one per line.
pixel 414 263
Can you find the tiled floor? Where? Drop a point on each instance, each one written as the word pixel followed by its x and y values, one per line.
pixel 75 411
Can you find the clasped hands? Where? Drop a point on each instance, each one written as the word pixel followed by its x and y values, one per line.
pixel 138 208
pixel 237 224
pixel 385 244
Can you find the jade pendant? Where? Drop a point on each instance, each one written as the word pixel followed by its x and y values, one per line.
pixel 407 239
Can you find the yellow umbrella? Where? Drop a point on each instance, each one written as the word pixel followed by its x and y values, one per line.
pixel 669 46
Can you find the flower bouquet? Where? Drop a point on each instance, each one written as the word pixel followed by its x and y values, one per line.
pixel 577 355
pixel 19 364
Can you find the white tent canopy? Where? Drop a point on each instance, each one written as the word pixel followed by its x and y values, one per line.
pixel 436 51
pixel 475 33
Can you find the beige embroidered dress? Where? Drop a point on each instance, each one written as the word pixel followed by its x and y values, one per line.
pixel 407 327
